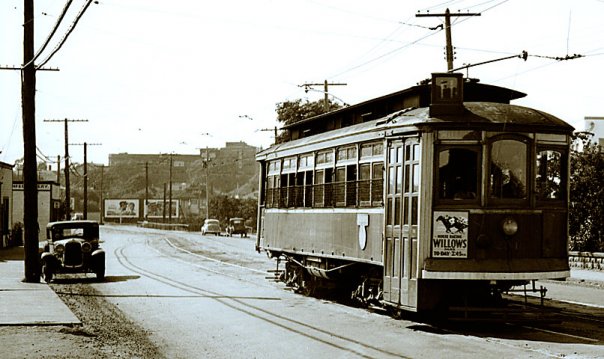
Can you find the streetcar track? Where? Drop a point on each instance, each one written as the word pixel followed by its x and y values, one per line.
pixel 272 318
pixel 248 309
pixel 560 333
pixel 163 296
pixel 593 340
pixel 210 258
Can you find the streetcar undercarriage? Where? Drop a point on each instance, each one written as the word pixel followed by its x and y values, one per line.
pixel 362 285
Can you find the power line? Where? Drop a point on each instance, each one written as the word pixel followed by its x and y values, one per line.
pixel 53 31
pixel 69 31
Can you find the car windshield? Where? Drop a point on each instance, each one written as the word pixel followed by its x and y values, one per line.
pixel 211 221
pixel 59 232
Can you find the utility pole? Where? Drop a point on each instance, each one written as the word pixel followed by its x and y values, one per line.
pixel 67 189
pixel 164 211
pixel 146 186
pixel 325 90
pixel 85 211
pixel 101 205
pixel 30 180
pixel 270 129
pixel 449 47
pixel 59 169
pixel 170 190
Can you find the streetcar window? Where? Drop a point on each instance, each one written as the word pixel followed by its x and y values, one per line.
pixel 319 188
pixel 508 179
pixel 369 150
pixel 550 176
pixel 306 161
pixel 339 190
pixel 325 157
pixel 347 154
pixel 377 183
pixel 274 167
pixel 308 189
pixel 299 190
pixel 458 173
pixel 272 191
pixel 351 185
pixel 364 183
pixel 289 164
pixel 323 188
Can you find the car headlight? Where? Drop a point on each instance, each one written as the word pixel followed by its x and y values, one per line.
pixel 59 249
pixel 509 226
pixel 86 247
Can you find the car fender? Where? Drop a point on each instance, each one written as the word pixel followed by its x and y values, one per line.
pixel 97 259
pixel 98 254
pixel 49 259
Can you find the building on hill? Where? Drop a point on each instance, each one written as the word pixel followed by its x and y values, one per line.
pixel 226 168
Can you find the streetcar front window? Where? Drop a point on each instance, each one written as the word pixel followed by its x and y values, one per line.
pixel 458 173
pixel 550 175
pixel 508 179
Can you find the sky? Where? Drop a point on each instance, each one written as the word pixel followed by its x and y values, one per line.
pixel 153 76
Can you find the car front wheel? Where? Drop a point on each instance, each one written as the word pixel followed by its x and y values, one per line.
pixel 100 273
pixel 46 272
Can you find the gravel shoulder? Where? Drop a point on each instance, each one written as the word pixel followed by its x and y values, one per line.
pixel 105 332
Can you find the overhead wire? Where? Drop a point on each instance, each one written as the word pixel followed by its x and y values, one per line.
pixel 52 32
pixel 365 63
pixel 69 31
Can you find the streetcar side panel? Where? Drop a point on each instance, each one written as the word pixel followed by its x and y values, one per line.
pixel 351 235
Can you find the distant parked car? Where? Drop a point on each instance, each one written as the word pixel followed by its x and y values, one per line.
pixel 237 226
pixel 211 226
pixel 72 247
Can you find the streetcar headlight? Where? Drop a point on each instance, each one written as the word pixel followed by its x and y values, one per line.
pixel 509 226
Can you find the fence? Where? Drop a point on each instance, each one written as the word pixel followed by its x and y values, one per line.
pixel 586 260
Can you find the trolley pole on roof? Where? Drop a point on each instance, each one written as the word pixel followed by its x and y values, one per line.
pixel 449 46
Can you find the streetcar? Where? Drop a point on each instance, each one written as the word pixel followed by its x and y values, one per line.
pixel 438 195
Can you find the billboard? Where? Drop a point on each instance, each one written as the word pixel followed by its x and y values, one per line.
pixel 155 208
pixel 121 208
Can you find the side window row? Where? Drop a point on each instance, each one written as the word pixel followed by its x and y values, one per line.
pixel 320 181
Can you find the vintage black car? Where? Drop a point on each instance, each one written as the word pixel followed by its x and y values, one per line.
pixel 72 247
pixel 236 226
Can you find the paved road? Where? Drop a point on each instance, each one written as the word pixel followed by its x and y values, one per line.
pixel 208 297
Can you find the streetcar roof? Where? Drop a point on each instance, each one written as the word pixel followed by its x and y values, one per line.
pixel 481 114
pixel 418 96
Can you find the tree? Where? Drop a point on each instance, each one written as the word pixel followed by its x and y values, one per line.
pixel 586 196
pixel 289 112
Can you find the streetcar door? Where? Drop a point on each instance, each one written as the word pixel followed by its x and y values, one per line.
pixel 392 232
pixel 410 222
pixel 401 222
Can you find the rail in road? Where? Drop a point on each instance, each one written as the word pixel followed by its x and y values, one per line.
pixel 580 329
